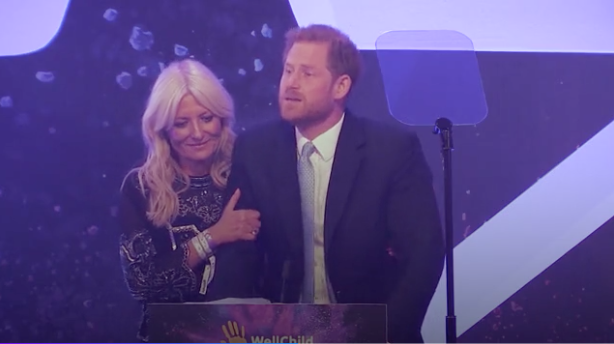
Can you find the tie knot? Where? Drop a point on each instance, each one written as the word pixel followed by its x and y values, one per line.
pixel 307 150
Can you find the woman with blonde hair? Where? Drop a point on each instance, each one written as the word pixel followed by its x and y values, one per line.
pixel 172 213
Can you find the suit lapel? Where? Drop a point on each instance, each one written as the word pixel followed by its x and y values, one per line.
pixel 287 184
pixel 346 164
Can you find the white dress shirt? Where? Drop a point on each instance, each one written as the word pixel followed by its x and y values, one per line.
pixel 322 161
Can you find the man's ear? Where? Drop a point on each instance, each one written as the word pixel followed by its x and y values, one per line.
pixel 342 87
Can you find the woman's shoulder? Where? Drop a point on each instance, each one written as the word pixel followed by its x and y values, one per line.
pixel 132 183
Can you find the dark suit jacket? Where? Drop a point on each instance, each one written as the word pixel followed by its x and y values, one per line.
pixel 380 196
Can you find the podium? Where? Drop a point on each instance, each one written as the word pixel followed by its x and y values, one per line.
pixel 236 321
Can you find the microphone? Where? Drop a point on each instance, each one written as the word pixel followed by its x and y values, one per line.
pixel 285 276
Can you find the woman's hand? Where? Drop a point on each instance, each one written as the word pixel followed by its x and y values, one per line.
pixel 235 224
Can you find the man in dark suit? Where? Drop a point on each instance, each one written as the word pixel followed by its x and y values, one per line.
pixel 347 205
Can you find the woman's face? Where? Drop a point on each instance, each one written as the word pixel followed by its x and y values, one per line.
pixel 195 136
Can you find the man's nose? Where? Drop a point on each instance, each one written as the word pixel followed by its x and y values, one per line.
pixel 293 81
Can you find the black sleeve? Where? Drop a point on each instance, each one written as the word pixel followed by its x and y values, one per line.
pixel 239 264
pixel 149 275
pixel 417 241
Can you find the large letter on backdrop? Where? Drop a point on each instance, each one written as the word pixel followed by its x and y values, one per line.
pixel 531 233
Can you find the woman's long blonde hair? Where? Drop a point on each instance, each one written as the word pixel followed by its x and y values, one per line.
pixel 159 173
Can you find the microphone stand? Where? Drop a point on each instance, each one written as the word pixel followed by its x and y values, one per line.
pixel 284 280
pixel 443 127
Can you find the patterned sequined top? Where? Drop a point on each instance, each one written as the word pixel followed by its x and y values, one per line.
pixel 153 259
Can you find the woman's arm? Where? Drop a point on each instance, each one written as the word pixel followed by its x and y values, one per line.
pixel 152 276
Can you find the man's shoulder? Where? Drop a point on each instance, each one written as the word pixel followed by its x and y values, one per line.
pixel 385 132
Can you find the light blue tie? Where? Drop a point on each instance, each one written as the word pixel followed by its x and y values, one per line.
pixel 307 183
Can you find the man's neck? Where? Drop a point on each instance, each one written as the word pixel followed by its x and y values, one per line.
pixel 314 129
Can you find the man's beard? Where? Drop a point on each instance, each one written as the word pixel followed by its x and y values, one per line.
pixel 309 115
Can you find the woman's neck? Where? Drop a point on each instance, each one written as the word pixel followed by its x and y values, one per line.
pixel 196 169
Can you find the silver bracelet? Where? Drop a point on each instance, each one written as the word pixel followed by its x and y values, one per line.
pixel 210 241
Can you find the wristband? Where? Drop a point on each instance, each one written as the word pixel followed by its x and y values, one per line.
pixel 207 242
pixel 200 250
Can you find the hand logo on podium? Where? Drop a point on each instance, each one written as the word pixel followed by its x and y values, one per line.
pixel 232 333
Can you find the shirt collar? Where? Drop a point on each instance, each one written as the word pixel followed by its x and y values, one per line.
pixel 325 143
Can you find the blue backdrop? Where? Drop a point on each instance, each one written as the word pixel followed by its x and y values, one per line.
pixel 69 130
